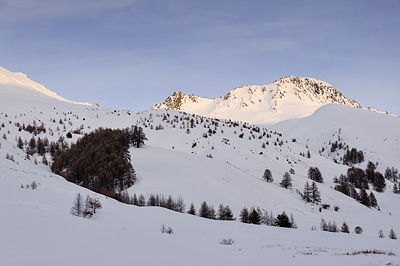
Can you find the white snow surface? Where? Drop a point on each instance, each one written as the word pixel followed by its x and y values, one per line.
pixel 37 228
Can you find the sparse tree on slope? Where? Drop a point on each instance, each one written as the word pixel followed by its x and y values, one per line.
pixel 286 181
pixel 307 193
pixel 282 220
pixel 77 208
pixel 345 228
pixel 192 210
pixel 315 174
pixel 315 194
pixel 392 234
pixel 268 175
pixel 137 136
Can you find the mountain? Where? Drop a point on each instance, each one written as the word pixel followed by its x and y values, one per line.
pixel 286 98
pixel 198 159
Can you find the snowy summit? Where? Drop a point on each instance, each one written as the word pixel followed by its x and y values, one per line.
pixel 286 98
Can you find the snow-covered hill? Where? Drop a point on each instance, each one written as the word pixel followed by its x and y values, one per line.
pixel 286 98
pixel 16 87
pixel 199 159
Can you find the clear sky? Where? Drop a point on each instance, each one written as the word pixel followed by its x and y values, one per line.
pixel 133 54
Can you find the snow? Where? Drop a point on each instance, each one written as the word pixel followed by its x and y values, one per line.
pixel 37 228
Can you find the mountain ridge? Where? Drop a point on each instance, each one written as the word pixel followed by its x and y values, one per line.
pixel 286 98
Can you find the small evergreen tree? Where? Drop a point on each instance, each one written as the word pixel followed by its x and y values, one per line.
pixel 392 234
pixel 307 193
pixel 212 214
pixel 324 226
pixel 135 200
pixel 151 201
pixel 204 211
pixel 379 182
pixel 137 136
pixel 286 181
pixel 254 216
pixel 77 208
pixel 315 194
pixel 315 174
pixel 345 228
pixel 229 214
pixel 395 189
pixel 221 212
pixel 381 234
pixel 141 201
pixel 244 215
pixel 192 210
pixel 372 200
pixel 20 143
pixel 364 198
pixel 268 175
pixel 282 220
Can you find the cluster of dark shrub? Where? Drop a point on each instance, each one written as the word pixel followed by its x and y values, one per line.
pixel 34 129
pixel 158 200
pixel 99 161
pixel 353 156
pixel 360 179
pixel 315 174
pixel 256 216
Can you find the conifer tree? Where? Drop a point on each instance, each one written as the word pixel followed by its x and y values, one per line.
pixel 77 209
pixel 135 200
pixel 315 174
pixel 345 228
pixel 221 212
pixel 307 192
pixel 192 210
pixel 229 214
pixel 254 217
pixel 286 181
pixel 204 211
pixel 141 201
pixel 282 220
pixel 372 200
pixel 268 175
pixel 381 234
pixel 315 194
pixel 379 182
pixel 364 198
pixel 244 215
pixel 395 189
pixel 137 136
pixel 392 234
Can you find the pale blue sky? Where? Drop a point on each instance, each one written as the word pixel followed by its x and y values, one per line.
pixel 132 54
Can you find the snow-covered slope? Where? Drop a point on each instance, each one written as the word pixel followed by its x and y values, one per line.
pixel 286 98
pixel 199 159
pixel 17 87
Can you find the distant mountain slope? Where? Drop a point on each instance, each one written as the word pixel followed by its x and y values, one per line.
pixel 286 98
pixel 18 87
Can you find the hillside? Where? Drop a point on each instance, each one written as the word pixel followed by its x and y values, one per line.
pixel 199 159
pixel 286 98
